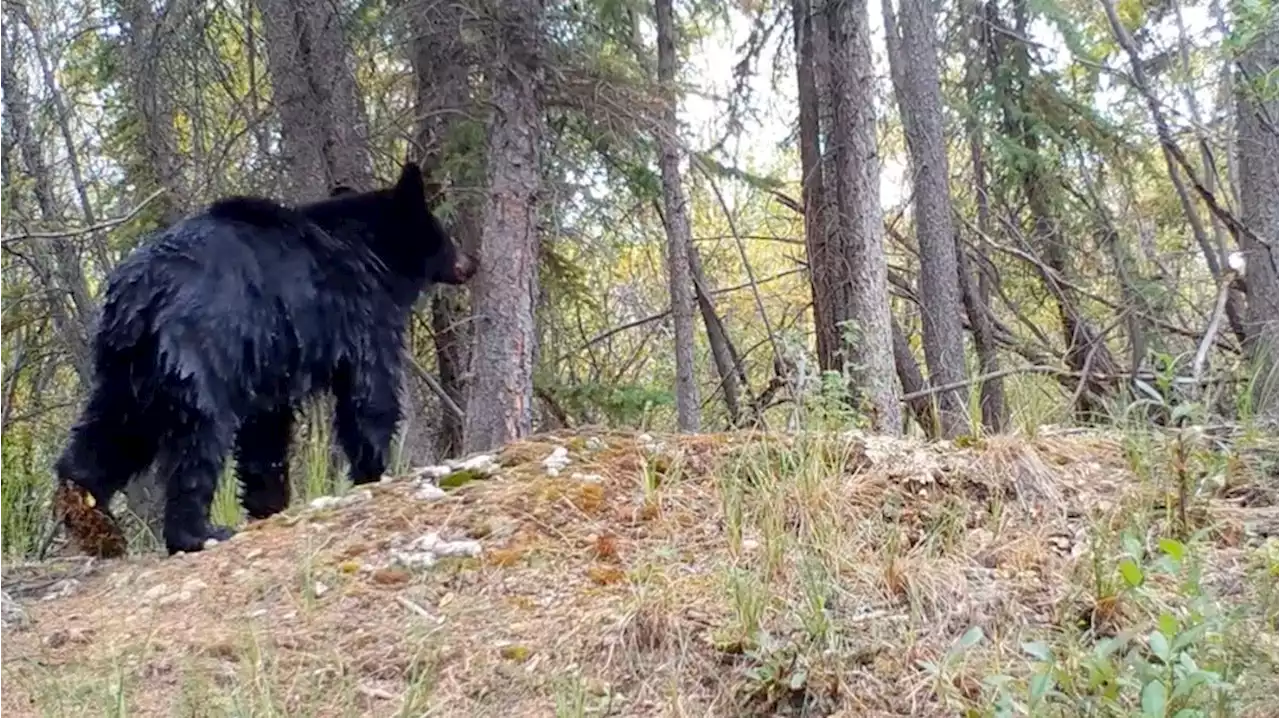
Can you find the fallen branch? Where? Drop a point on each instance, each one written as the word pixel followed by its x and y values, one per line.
pixel 436 389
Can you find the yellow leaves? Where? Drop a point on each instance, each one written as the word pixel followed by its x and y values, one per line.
pixel 1131 14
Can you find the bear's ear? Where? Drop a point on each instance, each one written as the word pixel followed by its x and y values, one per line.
pixel 410 185
pixel 340 190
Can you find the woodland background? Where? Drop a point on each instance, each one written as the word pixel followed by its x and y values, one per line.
pixel 951 218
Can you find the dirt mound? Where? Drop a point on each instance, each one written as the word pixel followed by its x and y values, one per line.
pixel 627 575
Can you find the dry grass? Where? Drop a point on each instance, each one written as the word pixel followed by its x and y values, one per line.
pixel 712 575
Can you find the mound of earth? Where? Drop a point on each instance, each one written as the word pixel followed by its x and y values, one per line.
pixel 629 575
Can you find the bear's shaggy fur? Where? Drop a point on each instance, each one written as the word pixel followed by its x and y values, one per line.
pixel 213 333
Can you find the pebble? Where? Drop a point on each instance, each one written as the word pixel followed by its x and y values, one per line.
pixel 429 492
pixel 557 460
pixel 61 589
pixel 11 613
pixel 326 502
pixel 483 463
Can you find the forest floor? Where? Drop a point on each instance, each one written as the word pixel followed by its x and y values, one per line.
pixel 1068 573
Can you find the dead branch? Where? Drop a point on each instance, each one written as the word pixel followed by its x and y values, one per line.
pixel 1215 319
pixel 435 388
pixel 75 232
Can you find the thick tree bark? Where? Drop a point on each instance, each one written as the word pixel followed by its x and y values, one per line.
pixel 679 236
pixel 858 258
pixel 831 339
pixel 504 291
pixel 323 134
pixel 813 186
pixel 1256 144
pixel 977 295
pixel 913 381
pixel 914 66
pixel 441 65
pixel 145 43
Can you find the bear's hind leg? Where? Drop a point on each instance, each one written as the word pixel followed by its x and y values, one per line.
pixel 191 464
pixel 262 461
pixel 109 445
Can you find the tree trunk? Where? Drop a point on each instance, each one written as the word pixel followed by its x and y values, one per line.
pixel 441 66
pixel 323 136
pixel 977 299
pixel 858 258
pixel 914 67
pixel 913 381
pixel 831 339
pixel 158 165
pixel 504 290
pixel 679 238
pixel 1256 143
pixel 813 187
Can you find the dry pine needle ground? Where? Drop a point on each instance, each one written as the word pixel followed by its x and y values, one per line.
pixel 714 575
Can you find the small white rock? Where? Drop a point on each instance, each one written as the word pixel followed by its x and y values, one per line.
pixel 457 548
pixel 155 592
pixel 12 613
pixel 319 589
pixel 323 502
pixel 480 462
pixel 429 492
pixel 424 543
pixel 433 472
pixel 414 559
pixel 557 460
pixel 355 497
pixel 595 443
pixel 210 543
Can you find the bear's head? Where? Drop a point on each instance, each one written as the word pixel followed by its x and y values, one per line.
pixel 445 263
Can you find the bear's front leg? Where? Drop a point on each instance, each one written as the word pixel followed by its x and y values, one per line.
pixel 262 461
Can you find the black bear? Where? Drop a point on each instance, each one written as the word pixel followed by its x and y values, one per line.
pixel 214 332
